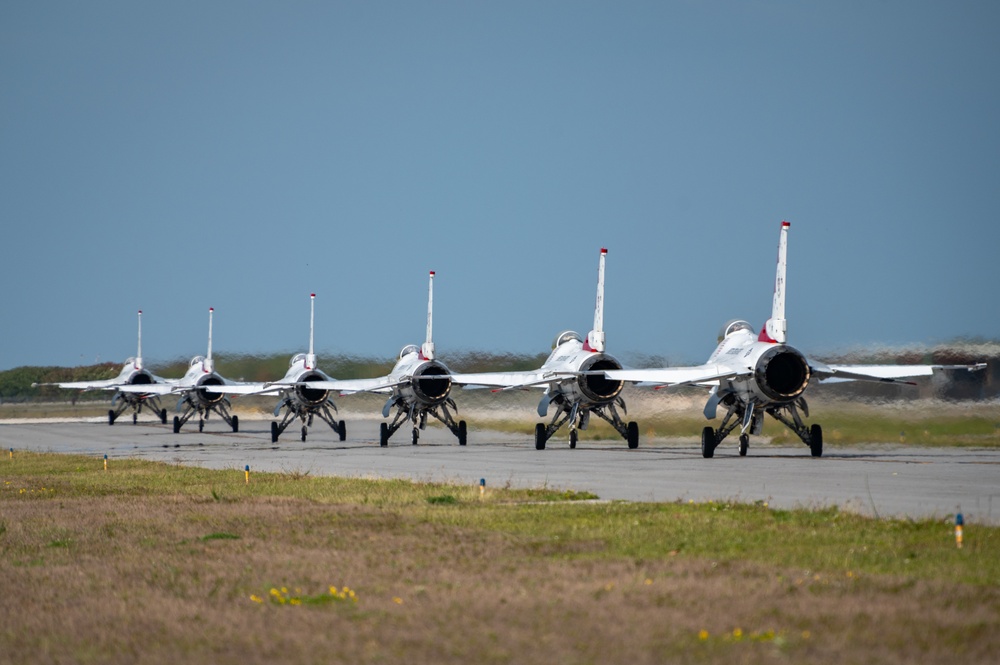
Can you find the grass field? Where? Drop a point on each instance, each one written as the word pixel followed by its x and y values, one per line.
pixel 155 563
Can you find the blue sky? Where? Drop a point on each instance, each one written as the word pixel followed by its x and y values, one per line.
pixel 174 156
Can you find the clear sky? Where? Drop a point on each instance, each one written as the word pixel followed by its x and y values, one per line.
pixel 174 156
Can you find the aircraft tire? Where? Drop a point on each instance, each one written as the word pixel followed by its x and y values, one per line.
pixel 744 444
pixel 236 423
pixel 539 436
pixel 383 435
pixel 573 436
pixel 708 443
pixel 816 441
pixel 201 424
pixel 463 433
pixel 416 436
pixel 177 425
pixel 111 417
pixel 135 418
pixel 633 435
pixel 274 432
pixel 163 416
pixel 304 431
pixel 342 430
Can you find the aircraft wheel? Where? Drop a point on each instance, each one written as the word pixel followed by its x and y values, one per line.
pixel 539 436
pixel 135 418
pixel 383 435
pixel 163 416
pixel 816 441
pixel 707 442
pixel 572 438
pixel 111 417
pixel 236 423
pixel 463 433
pixel 744 444
pixel 304 430
pixel 177 425
pixel 201 424
pixel 274 432
pixel 342 430
pixel 416 436
pixel 633 435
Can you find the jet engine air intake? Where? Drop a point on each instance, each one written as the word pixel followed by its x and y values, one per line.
pixel 596 386
pixel 782 373
pixel 431 390
pixel 311 396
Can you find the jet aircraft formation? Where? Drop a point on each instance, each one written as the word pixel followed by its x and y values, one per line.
pixel 748 374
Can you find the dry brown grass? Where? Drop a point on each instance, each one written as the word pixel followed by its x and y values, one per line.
pixel 169 579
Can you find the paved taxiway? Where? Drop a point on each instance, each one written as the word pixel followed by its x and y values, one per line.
pixel 883 479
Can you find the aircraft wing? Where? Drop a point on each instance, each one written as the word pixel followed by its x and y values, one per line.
pixel 880 373
pixel 104 384
pixel 673 376
pixel 512 380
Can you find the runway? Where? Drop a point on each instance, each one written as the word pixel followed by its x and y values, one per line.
pixel 888 480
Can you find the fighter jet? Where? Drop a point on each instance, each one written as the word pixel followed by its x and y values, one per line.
pixel 418 385
pixel 297 395
pixel 133 373
pixel 751 375
pixel 575 381
pixel 202 390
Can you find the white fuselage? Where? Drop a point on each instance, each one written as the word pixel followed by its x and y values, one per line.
pixel 767 373
pixel 571 355
pixel 419 389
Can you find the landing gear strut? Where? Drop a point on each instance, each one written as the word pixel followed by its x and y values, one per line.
pixel 417 415
pixel 579 417
pixel 305 414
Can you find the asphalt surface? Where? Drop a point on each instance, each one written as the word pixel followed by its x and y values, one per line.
pixel 877 479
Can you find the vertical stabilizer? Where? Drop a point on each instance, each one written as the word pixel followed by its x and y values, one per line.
pixel 137 363
pixel 776 328
pixel 427 350
pixel 595 340
pixel 209 365
pixel 311 356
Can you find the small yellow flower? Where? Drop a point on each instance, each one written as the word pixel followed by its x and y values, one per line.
pixel 806 634
pixel 648 581
pixel 702 634
pixel 397 600
pixel 295 601
pixel 738 633
pixel 257 599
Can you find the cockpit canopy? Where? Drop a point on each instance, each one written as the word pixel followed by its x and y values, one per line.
pixel 296 359
pixel 566 336
pixel 197 360
pixel 408 349
pixel 734 325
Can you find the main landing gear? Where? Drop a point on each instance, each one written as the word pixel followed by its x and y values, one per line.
pixel 578 417
pixel 304 413
pixel 787 414
pixel 417 415
pixel 191 408
pixel 136 403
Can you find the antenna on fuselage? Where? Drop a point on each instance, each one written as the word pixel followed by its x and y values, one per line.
pixel 209 366
pixel 595 340
pixel 427 350
pixel 311 356
pixel 137 363
pixel 776 328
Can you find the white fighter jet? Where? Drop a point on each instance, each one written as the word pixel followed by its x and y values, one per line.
pixel 201 389
pixel 418 385
pixel 752 374
pixel 297 395
pixel 132 374
pixel 574 379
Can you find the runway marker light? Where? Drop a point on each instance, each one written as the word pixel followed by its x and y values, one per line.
pixel 247 470
pixel 12 453
pixel 105 461
pixel 959 523
pixel 482 487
